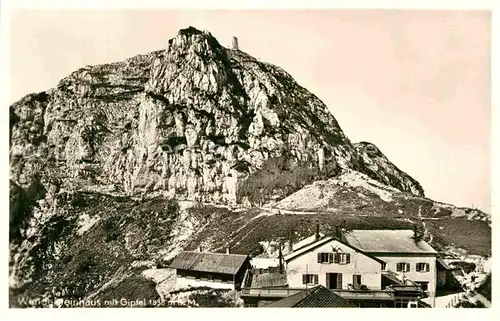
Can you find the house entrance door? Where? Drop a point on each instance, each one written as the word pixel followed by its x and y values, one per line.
pixel 356 281
pixel 334 281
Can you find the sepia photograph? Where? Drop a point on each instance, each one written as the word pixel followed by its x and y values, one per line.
pixel 233 158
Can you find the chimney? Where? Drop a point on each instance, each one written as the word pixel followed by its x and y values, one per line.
pixel 290 246
pixel 338 232
pixel 234 44
pixel 417 234
pixel 227 250
pixel 317 232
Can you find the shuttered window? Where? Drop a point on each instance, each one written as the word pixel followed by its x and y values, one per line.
pixel 342 258
pixel 403 267
pixel 325 257
pixel 423 267
pixel 309 279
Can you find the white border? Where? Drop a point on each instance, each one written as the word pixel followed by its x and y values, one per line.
pixel 8 6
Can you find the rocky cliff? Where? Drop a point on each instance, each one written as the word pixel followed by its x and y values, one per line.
pixel 195 121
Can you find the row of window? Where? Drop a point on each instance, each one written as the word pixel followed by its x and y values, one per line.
pixel 336 282
pixel 339 258
pixel 345 258
pixel 405 267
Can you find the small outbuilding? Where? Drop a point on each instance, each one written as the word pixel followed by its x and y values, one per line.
pixel 215 270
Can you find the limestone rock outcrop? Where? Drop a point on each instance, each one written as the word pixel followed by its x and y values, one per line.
pixel 178 122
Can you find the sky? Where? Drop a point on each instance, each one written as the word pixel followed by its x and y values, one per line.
pixel 414 83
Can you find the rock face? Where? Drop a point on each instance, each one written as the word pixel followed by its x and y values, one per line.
pixel 181 122
pixel 378 167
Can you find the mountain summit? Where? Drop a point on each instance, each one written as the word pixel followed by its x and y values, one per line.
pixel 195 120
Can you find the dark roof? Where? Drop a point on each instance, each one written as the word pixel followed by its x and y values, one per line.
pixel 323 240
pixel 267 280
pixel 392 277
pixel 317 297
pixel 209 262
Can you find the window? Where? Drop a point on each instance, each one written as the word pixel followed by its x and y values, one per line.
pixel 309 279
pixel 423 267
pixel 423 285
pixel 384 266
pixel 403 267
pixel 210 278
pixel 342 258
pixel 325 257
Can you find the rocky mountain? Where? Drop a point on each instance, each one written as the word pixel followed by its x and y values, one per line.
pixel 194 120
pixel 122 165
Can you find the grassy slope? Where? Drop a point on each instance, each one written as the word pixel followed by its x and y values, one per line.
pixel 244 230
pixel 474 236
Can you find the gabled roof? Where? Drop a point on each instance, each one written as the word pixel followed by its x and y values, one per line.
pixel 322 241
pixel 209 262
pixel 304 242
pixel 317 297
pixel 387 241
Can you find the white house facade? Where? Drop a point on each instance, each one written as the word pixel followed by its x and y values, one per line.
pixel 333 264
